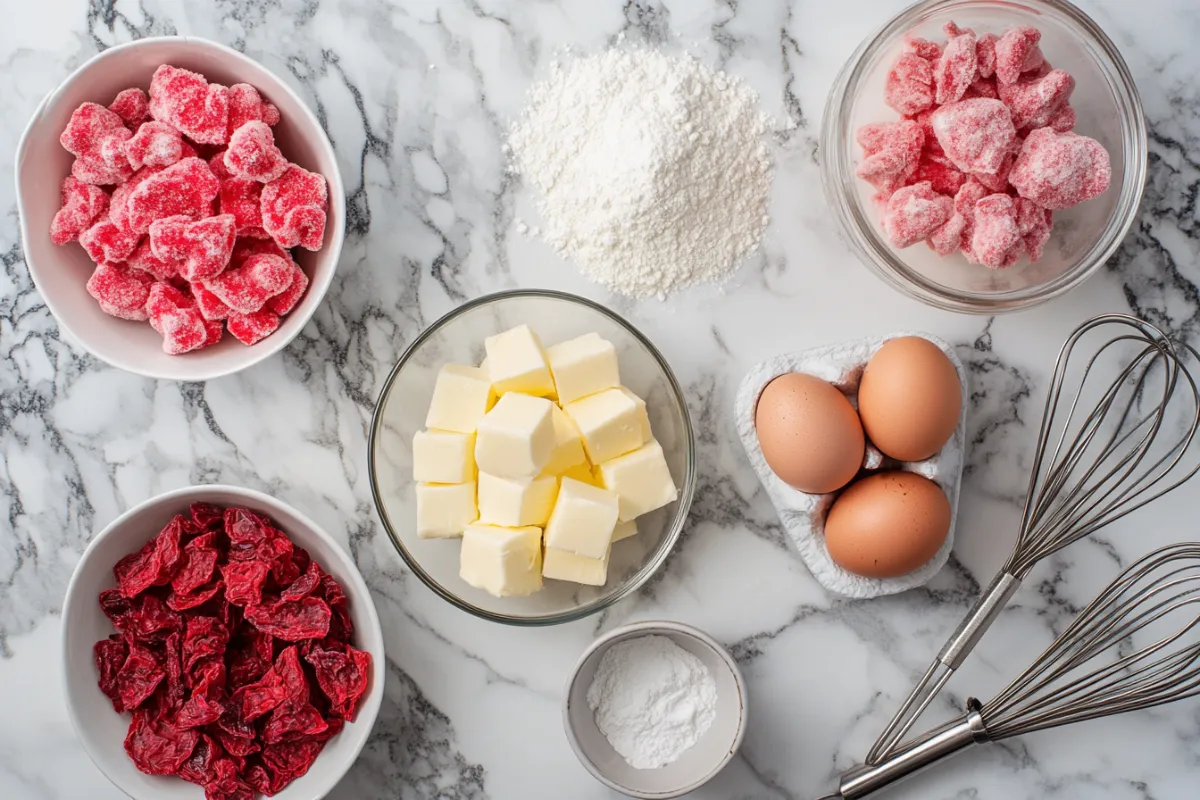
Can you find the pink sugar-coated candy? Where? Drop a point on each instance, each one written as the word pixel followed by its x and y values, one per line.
pixel 118 205
pixel 915 212
pixel 245 105
pixel 252 153
pixel 908 87
pixel 190 104
pixel 905 137
pixel 956 70
pixel 155 144
pixel 108 243
pixel 941 174
pixel 200 248
pixel 1060 170
pixel 930 51
pixel 983 87
pixel 174 315
pixel 998 181
pixel 285 301
pixel 947 237
pixel 887 171
pixel 293 208
pixel 165 298
pixel 1035 101
pixel 964 205
pixel 95 136
pixel 1064 119
pixel 1034 223
pixel 253 328
pixel 245 247
pixel 996 241
pixel 985 54
pixel 120 291
pixel 241 197
pixel 1017 51
pixel 211 307
pixel 185 188
pixel 247 288
pixel 132 106
pixel 976 134
pixel 142 258
pixel 213 331
pixel 82 206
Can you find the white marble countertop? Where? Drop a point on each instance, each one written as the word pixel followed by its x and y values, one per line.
pixel 416 97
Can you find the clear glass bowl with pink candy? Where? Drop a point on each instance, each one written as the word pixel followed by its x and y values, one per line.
pixel 1083 234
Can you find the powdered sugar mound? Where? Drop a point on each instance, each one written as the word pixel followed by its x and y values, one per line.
pixel 652 171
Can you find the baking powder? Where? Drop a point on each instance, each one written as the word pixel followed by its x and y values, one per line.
pixel 653 700
pixel 652 171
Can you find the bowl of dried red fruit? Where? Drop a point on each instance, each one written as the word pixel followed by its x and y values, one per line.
pixel 219 644
pixel 181 208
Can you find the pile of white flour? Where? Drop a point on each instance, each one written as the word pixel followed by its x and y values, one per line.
pixel 652 171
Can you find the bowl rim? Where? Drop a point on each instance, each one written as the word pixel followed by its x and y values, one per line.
pixel 332 251
pixel 648 628
pixel 369 712
pixel 866 243
pixel 686 492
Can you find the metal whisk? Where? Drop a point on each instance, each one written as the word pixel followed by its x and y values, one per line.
pixel 1108 445
pixel 1135 646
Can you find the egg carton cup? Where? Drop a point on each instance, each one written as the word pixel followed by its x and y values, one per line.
pixel 802 514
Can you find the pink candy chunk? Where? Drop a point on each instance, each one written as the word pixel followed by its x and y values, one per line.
pixel 247 288
pixel 947 238
pixel 956 70
pixel 930 51
pixel 1034 101
pixel 143 259
pixel 293 208
pixel 95 136
pixel 1034 223
pixel 132 106
pixel 1060 170
pixel 107 242
pixel 285 301
pixel 211 307
pixel 1017 51
pixel 252 153
pixel 996 241
pixel 941 173
pixel 253 328
pixel 155 144
pixel 975 134
pixel 82 206
pixel 1064 119
pixel 241 197
pixel 187 102
pixel 246 105
pixel 201 248
pixel 985 55
pixel 117 207
pixel 915 212
pixel 186 188
pixel 120 291
pixel 909 85
pixel 174 315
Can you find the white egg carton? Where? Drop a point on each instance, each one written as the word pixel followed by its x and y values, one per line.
pixel 802 514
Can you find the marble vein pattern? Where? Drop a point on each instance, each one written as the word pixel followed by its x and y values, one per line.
pixel 416 97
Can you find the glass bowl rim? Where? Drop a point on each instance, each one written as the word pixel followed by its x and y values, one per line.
pixel 866 243
pixel 665 547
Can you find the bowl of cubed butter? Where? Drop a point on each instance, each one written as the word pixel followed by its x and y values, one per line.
pixel 532 458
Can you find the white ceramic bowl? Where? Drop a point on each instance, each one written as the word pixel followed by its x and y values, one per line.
pixel 60 273
pixel 696 766
pixel 102 730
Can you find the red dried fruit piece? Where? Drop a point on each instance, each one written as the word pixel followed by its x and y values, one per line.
pixel 211 307
pixel 155 144
pixel 250 657
pixel 139 676
pixel 947 238
pixel 996 241
pixel 203 637
pixel 304 585
pixel 95 136
pixel 207 517
pixel 151 620
pixel 175 691
pixel 256 699
pixel 941 173
pixel 201 248
pixel 292 721
pixel 199 562
pixel 207 675
pixel 132 106
pixel 342 676
pixel 252 153
pixel 175 316
pixel 107 242
pixel 909 85
pixel 976 134
pixel 109 655
pixel 247 105
pixel 199 710
pixel 285 301
pixel 227 785
pixel 1064 119
pixel 198 768
pixel 82 206
pixel 153 565
pixel 244 582
pixel 1059 170
pixel 293 208
pixel 157 747
pixel 292 676
pixel 186 188
pixel 253 328
pixel 196 598
pixel 116 607
pixel 1017 51
pixel 341 627
pixel 985 54
pixel 956 69
pixel 1034 223
pixel 930 51
pixel 120 291
pixel 914 212
pixel 291 620
pixel 246 288
pixel 1033 102
pixel 144 260
pixel 238 739
pixel 187 102
pixel 290 760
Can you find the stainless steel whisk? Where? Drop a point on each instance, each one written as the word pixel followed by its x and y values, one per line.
pixel 1106 447
pixel 1135 646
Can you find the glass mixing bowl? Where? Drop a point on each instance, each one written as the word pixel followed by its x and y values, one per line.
pixel 1084 237
pixel 458 338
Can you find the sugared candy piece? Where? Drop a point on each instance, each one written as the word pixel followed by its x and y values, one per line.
pixel 132 106
pixel 947 238
pixel 155 144
pixel 120 196
pixel 930 51
pixel 245 247
pixel 284 302
pixel 985 54
pixel 175 316
pixel 120 291
pixel 1034 101
pixel 1017 51
pixel 82 205
pixel 983 87
pixel 976 134
pixel 956 69
pixel 252 153
pixel 200 248
pixel 1064 119
pixel 211 307
pixel 893 150
pixel 293 208
pixel 915 212
pixel 95 136
pixel 998 181
pixel 143 259
pixel 165 298
pixel 213 330
pixel 941 173
pixel 996 241
pixel 108 243
pixel 1059 170
pixel 187 102
pixel 241 197
pixel 185 188
pixel 246 104
pixel 247 288
pixel 253 328
pixel 1034 223
pixel 909 84
pixel 964 205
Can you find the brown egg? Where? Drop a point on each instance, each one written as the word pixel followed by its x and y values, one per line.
pixel 887 524
pixel 809 433
pixel 909 399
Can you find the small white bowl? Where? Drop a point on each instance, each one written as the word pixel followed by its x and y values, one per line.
pixel 102 730
pixel 695 767
pixel 60 273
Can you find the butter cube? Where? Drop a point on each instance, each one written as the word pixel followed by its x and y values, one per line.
pixel 583 366
pixel 643 415
pixel 444 510
pixel 516 438
pixel 641 479
pixel 583 519
pixel 624 530
pixel 504 562
pixel 565 566
pixel 461 396
pixel 568 444
pixel 516 502
pixel 609 424
pixel 583 473
pixel 443 457
pixel 516 363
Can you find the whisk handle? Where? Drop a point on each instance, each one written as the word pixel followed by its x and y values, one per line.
pixel 976 624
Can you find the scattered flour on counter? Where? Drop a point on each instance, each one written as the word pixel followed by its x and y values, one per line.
pixel 652 171
pixel 653 700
